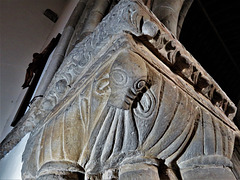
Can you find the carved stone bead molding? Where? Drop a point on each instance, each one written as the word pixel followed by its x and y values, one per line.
pixel 128 101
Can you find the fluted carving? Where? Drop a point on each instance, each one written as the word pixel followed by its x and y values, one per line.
pixel 127 100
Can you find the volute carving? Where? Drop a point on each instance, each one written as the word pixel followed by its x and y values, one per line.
pixel 133 17
pixel 129 102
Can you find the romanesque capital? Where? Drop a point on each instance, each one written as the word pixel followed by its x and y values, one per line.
pixel 130 102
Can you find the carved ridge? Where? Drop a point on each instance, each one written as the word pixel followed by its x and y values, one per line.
pixel 135 19
pixel 117 109
pixel 173 54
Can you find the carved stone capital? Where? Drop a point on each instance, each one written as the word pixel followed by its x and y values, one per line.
pixel 129 99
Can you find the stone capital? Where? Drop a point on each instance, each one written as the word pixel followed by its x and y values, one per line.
pixel 130 99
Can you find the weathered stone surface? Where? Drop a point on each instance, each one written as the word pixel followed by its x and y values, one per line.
pixel 128 100
pixel 171 13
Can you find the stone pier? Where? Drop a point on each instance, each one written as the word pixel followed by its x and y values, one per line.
pixel 130 102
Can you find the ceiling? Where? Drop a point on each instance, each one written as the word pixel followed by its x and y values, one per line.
pixel 211 34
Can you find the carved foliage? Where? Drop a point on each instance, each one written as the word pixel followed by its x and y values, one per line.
pixel 132 17
pixel 113 108
pixel 125 112
pixel 173 54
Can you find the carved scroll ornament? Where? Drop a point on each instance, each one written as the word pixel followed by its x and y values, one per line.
pixel 138 104
pixel 127 113
pixel 135 18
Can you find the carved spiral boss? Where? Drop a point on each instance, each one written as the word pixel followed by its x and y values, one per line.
pixel 139 104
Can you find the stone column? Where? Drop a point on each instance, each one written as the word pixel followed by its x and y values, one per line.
pixel 172 13
pixel 130 102
pixel 137 101
pixel 61 48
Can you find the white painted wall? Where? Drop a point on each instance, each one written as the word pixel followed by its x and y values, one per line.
pixel 24 30
pixel 11 164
